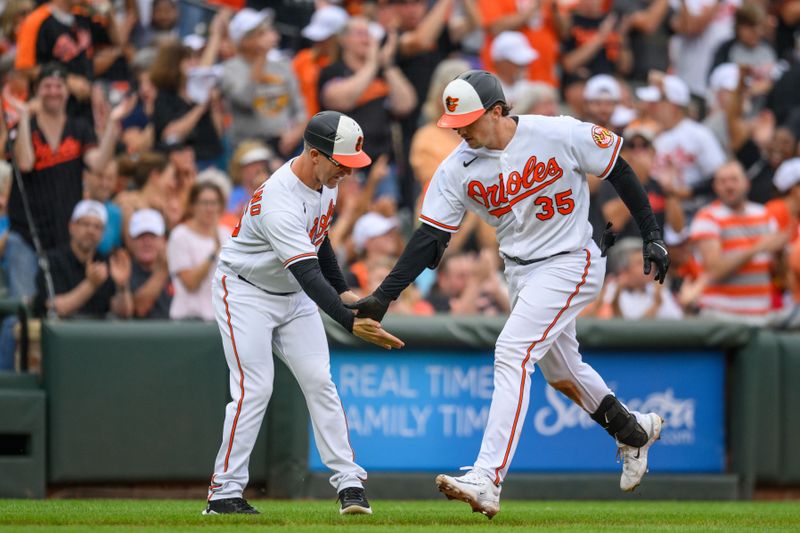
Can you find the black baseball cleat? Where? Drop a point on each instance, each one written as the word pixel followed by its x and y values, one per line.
pixel 353 500
pixel 230 506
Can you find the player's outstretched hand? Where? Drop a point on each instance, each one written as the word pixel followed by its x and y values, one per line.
pixel 372 307
pixel 655 253
pixel 371 331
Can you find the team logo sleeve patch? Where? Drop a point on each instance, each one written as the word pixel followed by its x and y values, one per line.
pixel 602 137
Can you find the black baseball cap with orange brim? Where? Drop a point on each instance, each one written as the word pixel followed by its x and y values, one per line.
pixel 339 137
pixel 468 97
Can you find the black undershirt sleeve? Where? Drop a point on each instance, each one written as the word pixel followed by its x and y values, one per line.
pixel 330 267
pixel 424 250
pixel 633 195
pixel 309 274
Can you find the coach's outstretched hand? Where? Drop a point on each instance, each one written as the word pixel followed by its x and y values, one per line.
pixel 371 331
pixel 372 307
pixel 655 252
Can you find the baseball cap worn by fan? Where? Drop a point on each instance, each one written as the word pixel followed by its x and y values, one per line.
pixel 787 175
pixel 513 46
pixel 325 22
pixel 339 137
pixel 146 221
pixel 254 155
pixel 89 208
pixel 675 91
pixel 467 97
pixel 369 226
pixel 602 87
pixel 245 21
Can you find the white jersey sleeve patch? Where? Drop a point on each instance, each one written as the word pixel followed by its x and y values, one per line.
pixel 286 233
pixel 595 148
pixel 443 207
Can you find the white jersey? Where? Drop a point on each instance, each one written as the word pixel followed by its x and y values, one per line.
pixel 692 149
pixel 284 222
pixel 692 56
pixel 534 192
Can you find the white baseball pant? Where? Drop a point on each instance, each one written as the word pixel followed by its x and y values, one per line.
pixel 250 321
pixel 546 299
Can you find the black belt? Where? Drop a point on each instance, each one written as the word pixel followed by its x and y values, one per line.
pixel 265 290
pixel 525 262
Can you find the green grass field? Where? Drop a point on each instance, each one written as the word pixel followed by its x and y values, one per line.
pixel 427 516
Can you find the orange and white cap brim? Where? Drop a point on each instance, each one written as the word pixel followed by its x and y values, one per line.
pixel 347 148
pixel 462 105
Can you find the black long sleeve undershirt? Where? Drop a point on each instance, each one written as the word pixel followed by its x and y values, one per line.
pixel 309 274
pixel 330 267
pixel 423 250
pixel 633 195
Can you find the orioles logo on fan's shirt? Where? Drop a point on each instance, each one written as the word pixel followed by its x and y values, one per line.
pixel 451 103
pixel 602 137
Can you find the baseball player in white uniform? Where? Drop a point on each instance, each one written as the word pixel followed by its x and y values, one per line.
pixel 526 176
pixel 274 271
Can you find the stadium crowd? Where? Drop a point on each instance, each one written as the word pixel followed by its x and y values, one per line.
pixel 140 129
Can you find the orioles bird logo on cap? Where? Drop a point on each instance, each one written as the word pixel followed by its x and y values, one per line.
pixel 602 137
pixel 451 103
pixel 359 143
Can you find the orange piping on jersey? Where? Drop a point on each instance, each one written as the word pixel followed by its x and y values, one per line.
pixel 308 254
pixel 241 375
pixel 436 223
pixel 613 158
pixel 527 358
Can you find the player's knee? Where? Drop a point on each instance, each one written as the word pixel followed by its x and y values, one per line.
pixel 319 380
pixel 262 394
pixel 619 422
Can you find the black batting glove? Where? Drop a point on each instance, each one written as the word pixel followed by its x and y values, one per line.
pixel 655 253
pixel 373 306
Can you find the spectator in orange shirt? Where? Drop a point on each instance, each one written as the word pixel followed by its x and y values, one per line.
pixel 786 209
pixel 323 31
pixel 737 241
pixel 542 24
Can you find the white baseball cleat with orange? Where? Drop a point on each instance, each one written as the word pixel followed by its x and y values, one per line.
pixel 475 488
pixel 634 460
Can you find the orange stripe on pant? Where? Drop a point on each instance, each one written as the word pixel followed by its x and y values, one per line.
pixel 527 358
pixel 241 375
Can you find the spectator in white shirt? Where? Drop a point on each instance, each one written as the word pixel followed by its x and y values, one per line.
pixel 685 148
pixel 630 292
pixel 700 27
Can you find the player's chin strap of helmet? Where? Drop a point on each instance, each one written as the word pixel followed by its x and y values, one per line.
pixel 633 195
pixel 424 250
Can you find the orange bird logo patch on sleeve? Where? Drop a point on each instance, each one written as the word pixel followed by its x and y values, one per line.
pixel 451 103
pixel 602 137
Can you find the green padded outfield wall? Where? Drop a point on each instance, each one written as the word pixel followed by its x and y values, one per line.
pixel 144 401
pixel 22 437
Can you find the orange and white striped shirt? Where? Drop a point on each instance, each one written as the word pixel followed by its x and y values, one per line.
pixel 747 291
